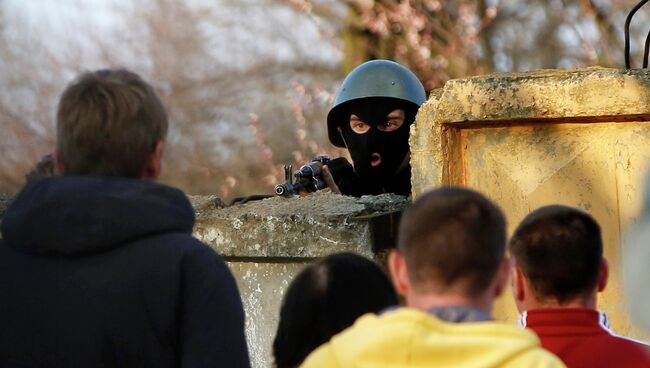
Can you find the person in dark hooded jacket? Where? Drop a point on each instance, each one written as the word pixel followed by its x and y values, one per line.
pixel 98 267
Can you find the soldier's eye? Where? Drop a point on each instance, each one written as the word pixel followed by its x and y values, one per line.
pixel 394 121
pixel 357 125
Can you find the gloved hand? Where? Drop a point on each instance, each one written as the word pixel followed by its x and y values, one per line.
pixel 340 177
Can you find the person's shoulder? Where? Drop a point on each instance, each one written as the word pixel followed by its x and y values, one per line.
pixel 182 248
pixel 628 341
pixel 630 347
pixel 343 349
pixel 193 250
pixel 372 338
pixel 178 241
pixel 187 242
pixel 323 356
pixel 398 334
pixel 535 357
pixel 525 348
pixel 518 347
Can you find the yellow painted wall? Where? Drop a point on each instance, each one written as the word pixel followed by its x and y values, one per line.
pixel 575 137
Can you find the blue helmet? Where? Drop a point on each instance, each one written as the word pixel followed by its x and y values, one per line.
pixel 375 78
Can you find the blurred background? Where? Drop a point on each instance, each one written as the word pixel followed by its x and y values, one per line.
pixel 248 83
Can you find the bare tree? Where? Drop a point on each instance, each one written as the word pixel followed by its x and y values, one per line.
pixel 247 90
pixel 214 145
pixel 443 39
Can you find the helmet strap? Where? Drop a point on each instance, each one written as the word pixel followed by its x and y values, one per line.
pixel 342 137
pixel 344 143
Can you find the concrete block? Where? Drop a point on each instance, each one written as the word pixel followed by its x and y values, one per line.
pixel 266 243
pixel 300 227
pixel 262 287
pixel 578 137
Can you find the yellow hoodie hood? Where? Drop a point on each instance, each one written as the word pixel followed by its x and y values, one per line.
pixel 411 338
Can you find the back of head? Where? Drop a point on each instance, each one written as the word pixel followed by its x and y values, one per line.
pixel 324 299
pixel 108 124
pixel 559 250
pixel 452 238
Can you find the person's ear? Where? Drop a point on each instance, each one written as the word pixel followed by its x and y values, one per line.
pixel 603 275
pixel 501 278
pixel 58 166
pixel 398 272
pixel 154 164
pixel 517 283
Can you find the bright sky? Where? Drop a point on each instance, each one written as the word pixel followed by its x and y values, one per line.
pixel 252 29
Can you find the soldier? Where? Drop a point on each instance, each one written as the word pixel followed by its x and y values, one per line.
pixel 371 116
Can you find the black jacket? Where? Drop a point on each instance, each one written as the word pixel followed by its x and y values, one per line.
pixel 351 184
pixel 104 272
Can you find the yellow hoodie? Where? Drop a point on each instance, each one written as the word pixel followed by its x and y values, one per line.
pixel 408 337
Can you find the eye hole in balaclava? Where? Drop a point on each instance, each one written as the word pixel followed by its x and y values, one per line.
pixel 378 152
pixel 393 121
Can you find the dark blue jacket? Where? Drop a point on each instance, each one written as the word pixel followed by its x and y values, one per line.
pixel 104 272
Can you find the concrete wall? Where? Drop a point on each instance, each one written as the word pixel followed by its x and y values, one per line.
pixel 267 242
pixel 576 137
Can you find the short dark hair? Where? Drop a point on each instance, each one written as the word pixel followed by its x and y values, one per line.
pixel 452 236
pixel 108 124
pixel 559 249
pixel 324 299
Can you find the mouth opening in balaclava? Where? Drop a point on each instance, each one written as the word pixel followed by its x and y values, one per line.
pixel 377 154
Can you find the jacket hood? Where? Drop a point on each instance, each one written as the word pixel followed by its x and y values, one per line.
pixel 69 215
pixel 411 338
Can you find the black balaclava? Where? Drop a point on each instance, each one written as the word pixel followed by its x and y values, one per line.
pixel 378 156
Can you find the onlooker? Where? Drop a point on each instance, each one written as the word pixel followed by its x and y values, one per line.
pixel 449 266
pixel 324 299
pixel 98 266
pixel 557 272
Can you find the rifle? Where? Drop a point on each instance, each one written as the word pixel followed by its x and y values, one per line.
pixel 307 179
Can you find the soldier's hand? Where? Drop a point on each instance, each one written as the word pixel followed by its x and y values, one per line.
pixel 329 180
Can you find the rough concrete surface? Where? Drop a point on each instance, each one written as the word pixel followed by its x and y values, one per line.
pixel 577 137
pixel 545 96
pixel 262 287
pixel 205 203
pixel 300 227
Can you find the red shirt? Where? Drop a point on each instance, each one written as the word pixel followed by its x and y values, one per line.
pixel 581 338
